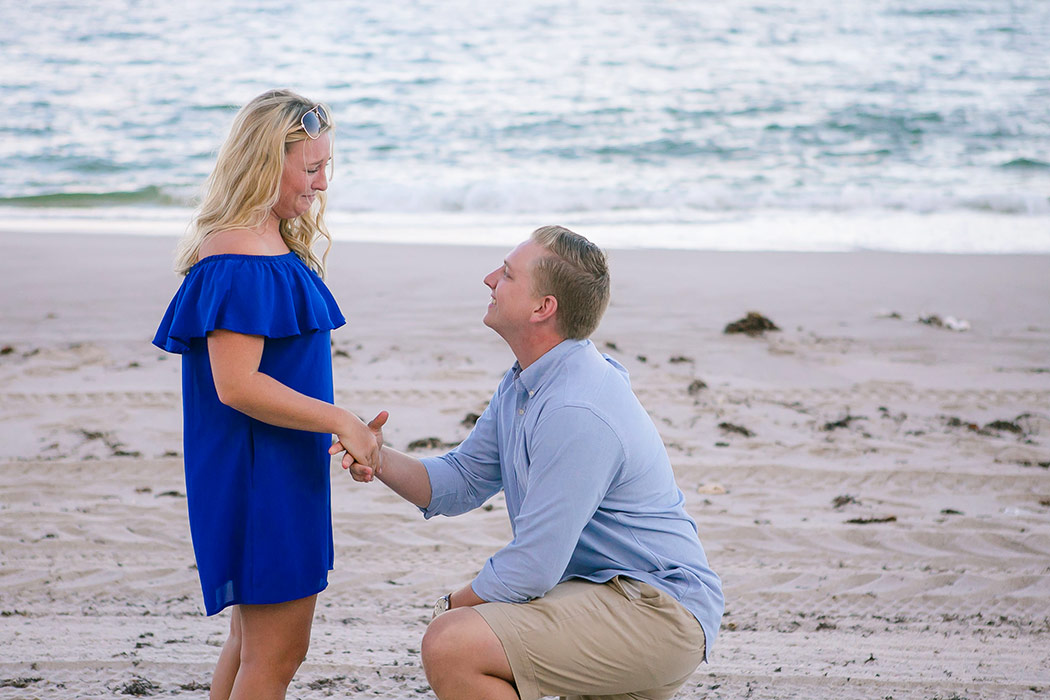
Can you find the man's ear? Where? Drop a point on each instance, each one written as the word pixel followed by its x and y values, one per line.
pixel 545 310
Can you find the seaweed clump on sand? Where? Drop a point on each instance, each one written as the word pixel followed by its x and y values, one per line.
pixel 753 324
pixel 139 687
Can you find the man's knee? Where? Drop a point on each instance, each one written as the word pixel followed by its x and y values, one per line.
pixel 460 641
pixel 444 641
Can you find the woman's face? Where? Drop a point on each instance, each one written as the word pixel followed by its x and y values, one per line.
pixel 304 176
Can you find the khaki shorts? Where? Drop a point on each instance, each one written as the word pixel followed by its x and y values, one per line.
pixel 623 638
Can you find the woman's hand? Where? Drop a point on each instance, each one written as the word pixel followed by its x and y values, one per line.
pixel 363 448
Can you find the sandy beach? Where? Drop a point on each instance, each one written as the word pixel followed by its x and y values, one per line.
pixel 871 481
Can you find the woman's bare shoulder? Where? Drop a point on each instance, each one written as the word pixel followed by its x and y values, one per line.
pixel 240 241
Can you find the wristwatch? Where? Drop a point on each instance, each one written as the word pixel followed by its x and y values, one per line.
pixel 441 605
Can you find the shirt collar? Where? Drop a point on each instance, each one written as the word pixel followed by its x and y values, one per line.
pixel 536 374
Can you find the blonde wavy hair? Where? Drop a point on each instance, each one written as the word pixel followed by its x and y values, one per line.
pixel 246 181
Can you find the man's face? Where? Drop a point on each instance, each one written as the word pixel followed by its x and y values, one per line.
pixel 513 299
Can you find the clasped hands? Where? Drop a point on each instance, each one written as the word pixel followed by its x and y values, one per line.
pixel 362 448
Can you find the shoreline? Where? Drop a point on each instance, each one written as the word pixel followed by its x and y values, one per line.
pixel 948 232
pixel 872 490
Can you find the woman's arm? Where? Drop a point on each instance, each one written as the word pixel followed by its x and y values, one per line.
pixel 235 359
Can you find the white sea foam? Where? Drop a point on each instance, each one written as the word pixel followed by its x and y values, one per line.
pixel 806 231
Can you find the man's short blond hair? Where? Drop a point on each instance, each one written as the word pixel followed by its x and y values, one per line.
pixel 576 273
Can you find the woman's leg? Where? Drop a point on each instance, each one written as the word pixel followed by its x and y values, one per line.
pixel 229 660
pixel 274 641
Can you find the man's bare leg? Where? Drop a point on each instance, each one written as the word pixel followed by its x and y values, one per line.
pixel 464 659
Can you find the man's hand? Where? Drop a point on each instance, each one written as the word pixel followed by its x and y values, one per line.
pixel 359 471
pixel 403 473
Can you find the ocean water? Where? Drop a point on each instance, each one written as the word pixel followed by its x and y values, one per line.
pixel 802 124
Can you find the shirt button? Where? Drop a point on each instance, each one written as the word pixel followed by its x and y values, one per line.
pixel 532 393
pixel 521 411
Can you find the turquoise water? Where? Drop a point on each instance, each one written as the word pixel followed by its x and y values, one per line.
pixel 675 113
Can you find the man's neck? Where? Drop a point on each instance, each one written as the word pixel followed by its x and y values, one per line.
pixel 532 349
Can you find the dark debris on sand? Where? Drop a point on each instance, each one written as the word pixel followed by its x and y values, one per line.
pixel 844 500
pixel 117 448
pixel 696 386
pixel 1008 426
pixel 139 687
pixel 194 685
pixel 842 422
pixel 737 429
pixel 956 422
pixel 753 324
pixel 18 682
pixel 323 683
pixel 995 427
pixel 430 443
pixel 872 521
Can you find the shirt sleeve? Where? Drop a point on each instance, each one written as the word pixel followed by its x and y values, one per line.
pixel 469 475
pixel 574 457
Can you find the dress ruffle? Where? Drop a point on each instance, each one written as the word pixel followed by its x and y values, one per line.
pixel 275 296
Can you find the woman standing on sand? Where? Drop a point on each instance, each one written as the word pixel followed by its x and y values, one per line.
pixel 252 321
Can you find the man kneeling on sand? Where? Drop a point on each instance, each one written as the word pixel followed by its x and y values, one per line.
pixel 605 589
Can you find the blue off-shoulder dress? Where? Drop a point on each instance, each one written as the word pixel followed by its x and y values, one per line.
pixel 259 496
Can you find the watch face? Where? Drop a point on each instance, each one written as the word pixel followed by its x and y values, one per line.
pixel 441 605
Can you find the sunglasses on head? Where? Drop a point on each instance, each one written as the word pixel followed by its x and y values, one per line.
pixel 313 120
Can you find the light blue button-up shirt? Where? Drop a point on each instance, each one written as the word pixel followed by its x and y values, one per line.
pixel 589 487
